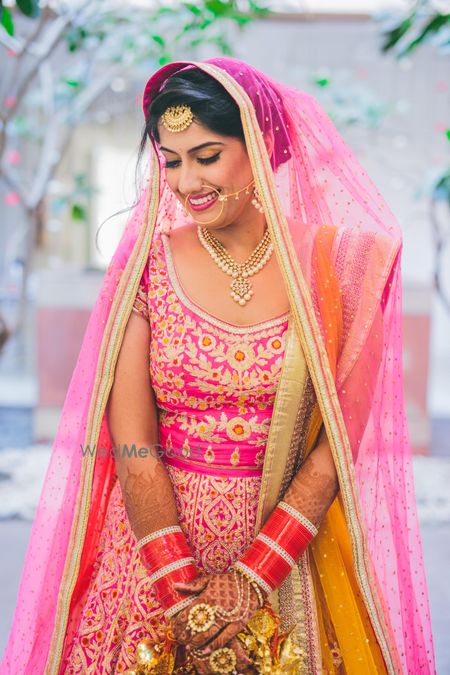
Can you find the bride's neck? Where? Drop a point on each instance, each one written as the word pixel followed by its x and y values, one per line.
pixel 241 239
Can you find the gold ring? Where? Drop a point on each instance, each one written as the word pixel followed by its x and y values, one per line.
pixel 223 660
pixel 201 617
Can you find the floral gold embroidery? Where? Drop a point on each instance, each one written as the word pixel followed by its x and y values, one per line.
pixel 235 456
pixel 209 455
pixel 238 429
pixel 336 655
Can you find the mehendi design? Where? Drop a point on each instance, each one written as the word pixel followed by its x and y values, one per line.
pixel 149 499
pixel 313 489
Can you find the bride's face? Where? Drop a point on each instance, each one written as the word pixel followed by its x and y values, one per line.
pixel 198 160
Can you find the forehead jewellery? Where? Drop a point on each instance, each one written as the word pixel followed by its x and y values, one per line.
pixel 177 118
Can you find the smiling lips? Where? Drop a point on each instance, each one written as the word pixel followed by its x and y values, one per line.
pixel 203 202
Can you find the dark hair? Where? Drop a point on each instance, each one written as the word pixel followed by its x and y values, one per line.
pixel 210 102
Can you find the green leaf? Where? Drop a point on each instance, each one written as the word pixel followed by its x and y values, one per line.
pixel 447 133
pixel 441 189
pixel 220 8
pixel 72 83
pixel 260 11
pixel 193 8
pixel 433 26
pixel 393 36
pixel 29 7
pixel 322 82
pixel 241 19
pixel 159 40
pixel 163 10
pixel 78 212
pixel 75 38
pixel 7 21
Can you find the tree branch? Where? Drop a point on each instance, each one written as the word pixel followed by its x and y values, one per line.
pixel 49 154
pixel 56 32
pixel 12 183
pixel 439 245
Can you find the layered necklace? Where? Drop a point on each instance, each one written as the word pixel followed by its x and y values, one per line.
pixel 241 288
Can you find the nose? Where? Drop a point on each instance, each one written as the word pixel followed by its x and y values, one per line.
pixel 189 180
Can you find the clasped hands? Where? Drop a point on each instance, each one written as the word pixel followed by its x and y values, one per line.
pixel 234 602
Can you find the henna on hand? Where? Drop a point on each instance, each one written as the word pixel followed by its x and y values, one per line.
pixel 315 485
pixel 148 497
pixel 221 590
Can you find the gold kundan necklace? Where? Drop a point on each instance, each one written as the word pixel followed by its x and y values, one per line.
pixel 241 288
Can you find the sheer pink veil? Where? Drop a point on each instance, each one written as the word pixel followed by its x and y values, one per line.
pixel 339 247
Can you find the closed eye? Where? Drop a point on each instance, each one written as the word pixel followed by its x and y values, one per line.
pixel 209 160
pixel 202 160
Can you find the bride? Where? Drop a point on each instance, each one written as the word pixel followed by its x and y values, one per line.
pixel 254 510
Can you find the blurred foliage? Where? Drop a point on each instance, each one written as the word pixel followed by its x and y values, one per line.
pixel 404 33
pixel 74 201
pixel 105 42
pixel 29 8
pixel 349 102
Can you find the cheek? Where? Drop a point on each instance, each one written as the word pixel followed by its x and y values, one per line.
pixel 225 174
pixel 172 181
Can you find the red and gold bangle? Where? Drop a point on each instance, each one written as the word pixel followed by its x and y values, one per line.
pixel 277 548
pixel 168 559
pixel 154 535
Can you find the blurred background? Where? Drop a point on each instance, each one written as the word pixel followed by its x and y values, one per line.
pixel 71 79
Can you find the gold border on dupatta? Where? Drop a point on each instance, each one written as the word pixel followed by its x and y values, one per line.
pixel 109 351
pixel 293 600
pixel 316 357
pixel 288 399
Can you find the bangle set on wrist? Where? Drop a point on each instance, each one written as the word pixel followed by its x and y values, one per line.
pixel 277 547
pixel 168 559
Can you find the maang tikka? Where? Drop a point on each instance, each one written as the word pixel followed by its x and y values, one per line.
pixel 177 118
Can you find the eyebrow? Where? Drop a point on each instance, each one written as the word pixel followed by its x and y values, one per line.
pixel 197 147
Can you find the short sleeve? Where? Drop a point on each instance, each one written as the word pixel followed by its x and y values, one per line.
pixel 141 301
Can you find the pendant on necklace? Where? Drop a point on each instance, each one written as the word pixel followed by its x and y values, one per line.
pixel 241 290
